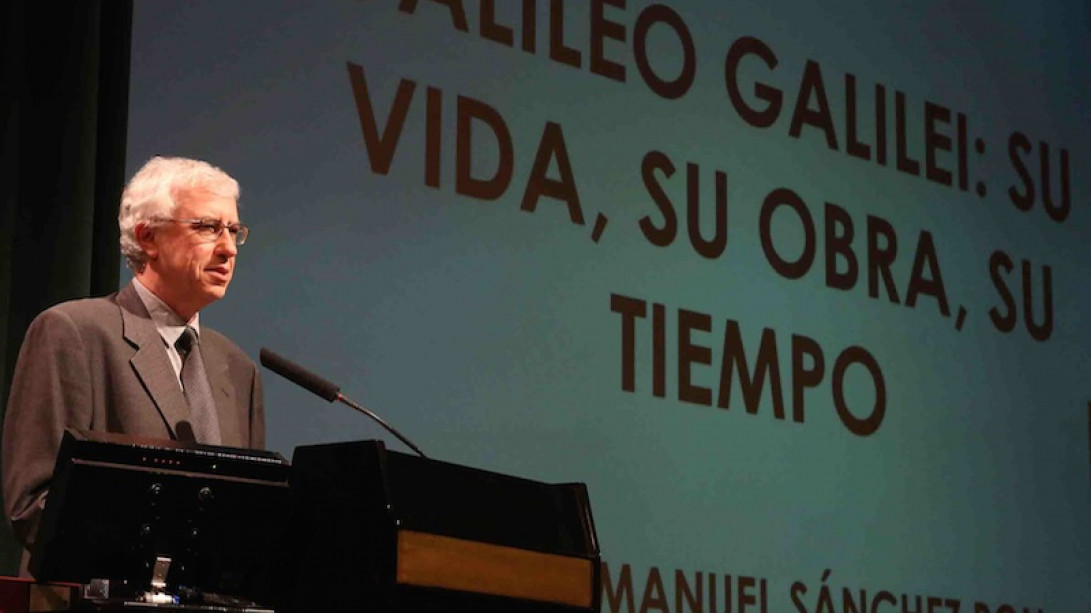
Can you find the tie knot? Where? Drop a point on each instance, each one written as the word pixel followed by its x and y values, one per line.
pixel 186 342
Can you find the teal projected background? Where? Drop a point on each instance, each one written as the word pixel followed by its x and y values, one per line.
pixel 502 235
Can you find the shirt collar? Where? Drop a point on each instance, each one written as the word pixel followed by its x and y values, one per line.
pixel 169 324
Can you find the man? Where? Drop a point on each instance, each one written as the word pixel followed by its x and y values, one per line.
pixel 138 362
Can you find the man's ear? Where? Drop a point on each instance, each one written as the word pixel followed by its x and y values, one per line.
pixel 145 237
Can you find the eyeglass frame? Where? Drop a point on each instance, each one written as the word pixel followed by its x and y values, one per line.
pixel 238 232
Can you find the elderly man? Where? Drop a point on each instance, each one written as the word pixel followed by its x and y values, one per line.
pixel 138 361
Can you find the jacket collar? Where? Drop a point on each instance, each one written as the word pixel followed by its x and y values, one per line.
pixel 153 368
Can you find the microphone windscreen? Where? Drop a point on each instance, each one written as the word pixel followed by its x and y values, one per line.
pixel 299 375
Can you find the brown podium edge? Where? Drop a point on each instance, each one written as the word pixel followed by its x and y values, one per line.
pixel 435 561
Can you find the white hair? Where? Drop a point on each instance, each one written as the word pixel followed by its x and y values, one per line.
pixel 153 193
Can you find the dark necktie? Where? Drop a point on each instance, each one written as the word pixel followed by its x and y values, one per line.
pixel 198 392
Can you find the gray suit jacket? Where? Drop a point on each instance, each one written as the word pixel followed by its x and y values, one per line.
pixel 100 364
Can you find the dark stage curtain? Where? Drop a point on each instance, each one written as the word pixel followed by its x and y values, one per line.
pixel 64 91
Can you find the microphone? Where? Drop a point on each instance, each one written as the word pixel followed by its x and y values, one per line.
pixel 299 375
pixel 323 388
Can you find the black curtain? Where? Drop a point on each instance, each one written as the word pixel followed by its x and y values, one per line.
pixel 64 91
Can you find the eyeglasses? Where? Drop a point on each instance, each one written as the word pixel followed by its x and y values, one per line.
pixel 212 229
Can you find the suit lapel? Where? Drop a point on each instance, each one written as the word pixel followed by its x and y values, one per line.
pixel 150 361
pixel 220 380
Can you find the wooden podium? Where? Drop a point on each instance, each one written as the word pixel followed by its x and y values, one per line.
pixel 377 530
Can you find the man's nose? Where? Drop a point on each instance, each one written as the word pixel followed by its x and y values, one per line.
pixel 226 244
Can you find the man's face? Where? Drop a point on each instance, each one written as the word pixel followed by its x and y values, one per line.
pixel 190 271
